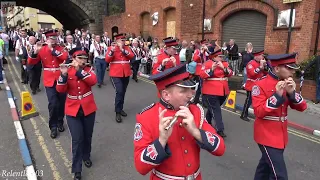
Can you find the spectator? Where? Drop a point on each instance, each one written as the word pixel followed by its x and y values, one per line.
pixel 232 49
pixel 246 57
pixel 182 53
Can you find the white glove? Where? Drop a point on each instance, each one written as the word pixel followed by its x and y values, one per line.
pixel 24 67
pixel 17 58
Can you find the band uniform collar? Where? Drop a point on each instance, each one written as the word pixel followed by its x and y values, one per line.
pixel 274 76
pixel 166 104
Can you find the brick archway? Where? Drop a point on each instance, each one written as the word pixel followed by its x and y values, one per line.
pixel 235 6
pixel 71 13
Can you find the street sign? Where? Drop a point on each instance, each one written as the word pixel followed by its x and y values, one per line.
pixel 291 1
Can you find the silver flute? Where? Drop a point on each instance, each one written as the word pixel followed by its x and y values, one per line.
pixel 175 118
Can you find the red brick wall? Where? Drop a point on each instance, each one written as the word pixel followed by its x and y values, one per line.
pixel 314 32
pixel 189 20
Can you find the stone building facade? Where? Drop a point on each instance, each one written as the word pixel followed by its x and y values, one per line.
pixel 183 19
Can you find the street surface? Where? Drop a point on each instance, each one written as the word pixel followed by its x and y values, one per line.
pixel 112 148
pixel 10 157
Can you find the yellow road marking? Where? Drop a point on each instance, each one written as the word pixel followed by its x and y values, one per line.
pixel 290 130
pixel 40 138
pixel 57 143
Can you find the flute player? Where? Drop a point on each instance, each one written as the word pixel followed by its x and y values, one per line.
pixel 173 153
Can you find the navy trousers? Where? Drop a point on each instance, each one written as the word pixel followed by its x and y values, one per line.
pixel 120 84
pixel 135 68
pixel 81 129
pixel 101 66
pixel 56 106
pixel 214 109
pixel 197 79
pixel 271 165
pixel 246 105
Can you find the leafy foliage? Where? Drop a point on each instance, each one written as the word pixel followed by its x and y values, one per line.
pixel 309 73
pixel 116 7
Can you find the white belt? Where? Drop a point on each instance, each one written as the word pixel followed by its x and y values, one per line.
pixel 80 96
pixel 275 118
pixel 120 62
pixel 252 79
pixel 169 177
pixel 51 69
pixel 217 79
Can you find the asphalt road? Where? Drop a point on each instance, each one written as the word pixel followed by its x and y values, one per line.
pixel 112 152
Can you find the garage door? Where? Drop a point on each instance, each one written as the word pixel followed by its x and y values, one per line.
pixel 244 27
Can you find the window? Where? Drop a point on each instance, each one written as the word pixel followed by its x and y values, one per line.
pixel 45 25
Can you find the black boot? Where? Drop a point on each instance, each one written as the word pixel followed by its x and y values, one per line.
pixel 54 133
pixel 118 118
pixel 88 163
pixel 124 114
pixel 245 118
pixel 221 133
pixel 61 128
pixel 77 176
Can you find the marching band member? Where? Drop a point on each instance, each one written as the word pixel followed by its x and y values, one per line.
pixel 271 97
pixel 169 57
pixel 83 41
pixel 70 45
pixel 256 69
pixel 215 88
pixel 200 56
pixel 119 57
pixel 80 108
pixel 34 69
pixel 52 55
pixel 98 51
pixel 21 54
pixel 138 52
pixel 173 153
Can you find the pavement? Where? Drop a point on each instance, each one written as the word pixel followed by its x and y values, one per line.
pixel 11 162
pixel 112 147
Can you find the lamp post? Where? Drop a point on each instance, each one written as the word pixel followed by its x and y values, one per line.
pixel 203 16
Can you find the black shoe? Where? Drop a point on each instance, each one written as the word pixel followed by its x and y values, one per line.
pixel 221 133
pixel 34 92
pixel 124 114
pixel 118 118
pixel 54 133
pixel 77 176
pixel 245 118
pixel 61 128
pixel 38 90
pixel 88 163
pixel 316 102
pixel 99 85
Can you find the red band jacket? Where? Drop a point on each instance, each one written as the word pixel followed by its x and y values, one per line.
pixel 254 73
pixel 215 82
pixel 270 110
pixel 180 157
pixel 51 61
pixel 77 84
pixel 119 61
pixel 158 67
